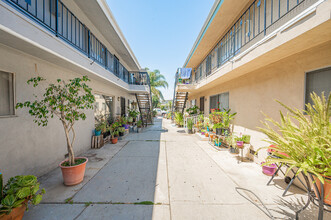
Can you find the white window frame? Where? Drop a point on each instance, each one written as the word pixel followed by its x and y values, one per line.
pixel 14 95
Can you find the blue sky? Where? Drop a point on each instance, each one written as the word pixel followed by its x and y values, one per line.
pixel 161 33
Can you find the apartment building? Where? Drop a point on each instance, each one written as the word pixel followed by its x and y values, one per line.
pixel 60 39
pixel 251 53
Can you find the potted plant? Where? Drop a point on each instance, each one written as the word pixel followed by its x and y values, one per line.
pixel 139 126
pixel 68 102
pixel 227 117
pixel 114 133
pixel 217 142
pixel 124 122
pixel 190 125
pixel 130 120
pixel 203 131
pixel 16 195
pixel 268 170
pixel 97 130
pixel 302 140
pixel 246 139
pixel 206 134
pixel 134 114
pixel 231 142
pixel 179 119
pixel 121 131
pixel 240 142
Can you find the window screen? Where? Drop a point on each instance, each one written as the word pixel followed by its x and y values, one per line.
pixel 318 81
pixel 220 101
pixel 213 102
pixel 6 93
pixel 224 101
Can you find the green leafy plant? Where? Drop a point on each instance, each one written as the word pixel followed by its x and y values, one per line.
pixel 66 101
pixel 190 123
pixel 303 135
pixel 122 120
pixel 179 119
pixel 193 110
pixel 102 126
pixel 121 129
pixel 20 190
pixel 130 119
pixel 133 113
pixel 139 124
pixel 246 139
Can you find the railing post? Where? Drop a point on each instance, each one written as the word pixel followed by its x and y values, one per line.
pixel 88 43
pixel 265 17
pixel 56 17
pixel 106 59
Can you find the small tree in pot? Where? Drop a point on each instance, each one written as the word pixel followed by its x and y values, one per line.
pixel 67 102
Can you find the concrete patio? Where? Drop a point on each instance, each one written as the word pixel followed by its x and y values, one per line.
pixel 163 173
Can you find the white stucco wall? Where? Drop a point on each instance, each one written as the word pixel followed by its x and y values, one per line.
pixel 26 148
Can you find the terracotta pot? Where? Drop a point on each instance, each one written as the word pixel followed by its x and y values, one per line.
pixel 73 175
pixel 206 134
pixel 211 136
pixel 327 189
pixel 114 140
pixel 16 213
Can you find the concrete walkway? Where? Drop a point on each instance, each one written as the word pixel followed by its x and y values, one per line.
pixel 163 173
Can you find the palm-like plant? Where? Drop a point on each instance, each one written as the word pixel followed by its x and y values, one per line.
pixel 304 136
pixel 157 80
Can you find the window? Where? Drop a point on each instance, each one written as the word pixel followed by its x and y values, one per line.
pixel 6 94
pixel 103 108
pixel 220 101
pixel 318 81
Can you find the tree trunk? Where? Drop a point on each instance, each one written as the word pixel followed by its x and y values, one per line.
pixel 71 155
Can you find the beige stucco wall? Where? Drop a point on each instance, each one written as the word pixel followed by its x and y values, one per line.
pixel 255 92
pixel 26 148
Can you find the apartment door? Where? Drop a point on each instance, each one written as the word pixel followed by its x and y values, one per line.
pixel 122 106
pixel 202 104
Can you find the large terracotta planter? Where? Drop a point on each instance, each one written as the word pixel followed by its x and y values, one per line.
pixel 206 134
pixel 114 140
pixel 16 213
pixel 75 174
pixel 327 189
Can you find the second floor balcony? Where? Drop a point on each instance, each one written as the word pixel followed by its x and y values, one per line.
pixel 263 27
pixel 33 27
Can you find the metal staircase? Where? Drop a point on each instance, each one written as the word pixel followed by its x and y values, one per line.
pixel 144 101
pixel 180 98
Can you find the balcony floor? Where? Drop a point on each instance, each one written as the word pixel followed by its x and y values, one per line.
pixel 184 177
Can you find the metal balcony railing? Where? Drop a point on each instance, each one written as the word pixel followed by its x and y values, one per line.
pixel 260 18
pixel 70 29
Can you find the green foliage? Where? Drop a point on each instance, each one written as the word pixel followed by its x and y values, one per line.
pixel 246 139
pixel 190 123
pixel 77 162
pixel 67 101
pixel 19 190
pixel 193 110
pixel 139 124
pixel 121 129
pixel 123 120
pixel 304 135
pixel 221 119
pixel 114 129
pixel 179 118
pixel 133 113
pixel 102 126
pixel 157 80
